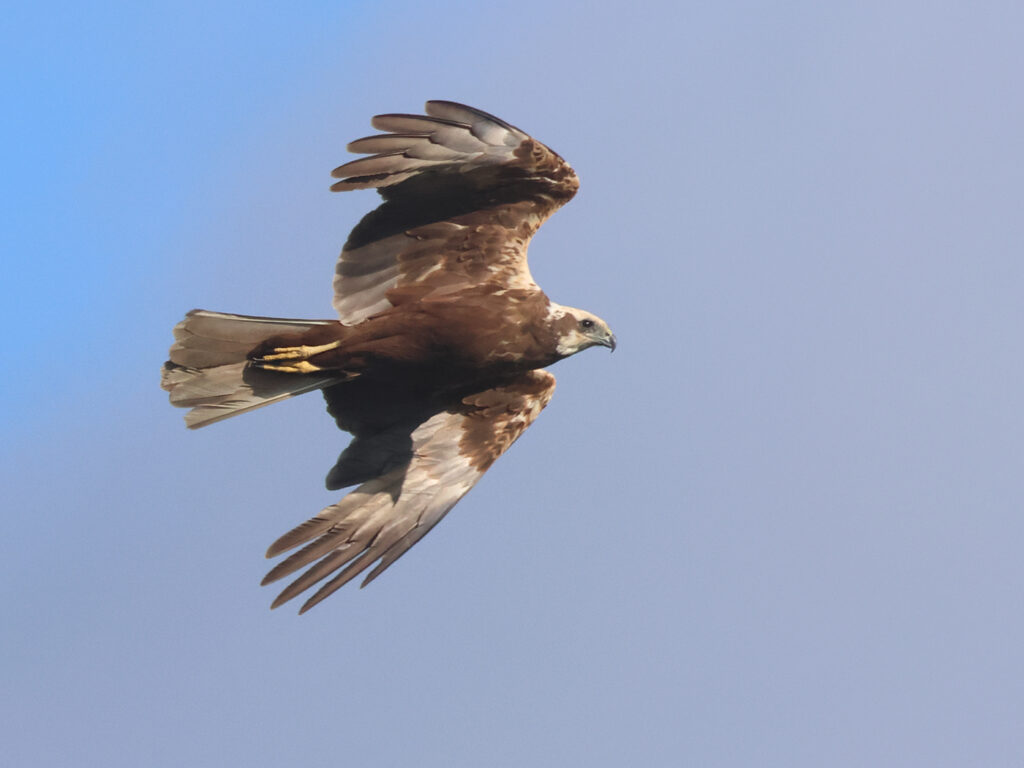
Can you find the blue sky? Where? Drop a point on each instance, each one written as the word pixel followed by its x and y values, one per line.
pixel 781 526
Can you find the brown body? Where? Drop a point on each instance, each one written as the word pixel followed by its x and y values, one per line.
pixel 481 332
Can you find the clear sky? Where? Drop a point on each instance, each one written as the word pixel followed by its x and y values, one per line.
pixel 781 526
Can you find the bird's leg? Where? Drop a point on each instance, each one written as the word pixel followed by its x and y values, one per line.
pixel 297 357
pixel 300 366
pixel 300 353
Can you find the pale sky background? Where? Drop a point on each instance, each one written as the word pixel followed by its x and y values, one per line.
pixel 781 526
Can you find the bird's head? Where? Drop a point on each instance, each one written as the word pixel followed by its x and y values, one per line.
pixel 577 329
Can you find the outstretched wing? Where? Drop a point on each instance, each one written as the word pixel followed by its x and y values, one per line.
pixel 463 194
pixel 422 474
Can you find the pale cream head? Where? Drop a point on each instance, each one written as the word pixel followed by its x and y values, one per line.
pixel 578 329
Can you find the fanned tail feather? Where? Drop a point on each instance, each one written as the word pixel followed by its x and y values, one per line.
pixel 209 373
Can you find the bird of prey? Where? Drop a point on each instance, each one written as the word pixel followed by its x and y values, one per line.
pixel 435 363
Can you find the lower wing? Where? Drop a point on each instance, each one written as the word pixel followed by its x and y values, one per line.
pixel 425 471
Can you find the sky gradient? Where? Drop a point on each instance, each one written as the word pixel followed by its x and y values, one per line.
pixel 780 526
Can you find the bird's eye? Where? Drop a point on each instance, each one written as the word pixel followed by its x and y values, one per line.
pixel 586 324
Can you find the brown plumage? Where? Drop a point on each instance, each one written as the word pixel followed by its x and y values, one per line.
pixel 435 364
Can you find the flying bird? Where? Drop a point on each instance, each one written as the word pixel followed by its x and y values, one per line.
pixel 435 364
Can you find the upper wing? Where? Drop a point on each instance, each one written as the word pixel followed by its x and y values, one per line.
pixel 463 194
pixel 416 477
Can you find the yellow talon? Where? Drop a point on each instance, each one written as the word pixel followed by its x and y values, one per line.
pixel 301 366
pixel 293 353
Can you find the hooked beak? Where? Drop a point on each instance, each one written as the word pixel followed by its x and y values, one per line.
pixel 609 342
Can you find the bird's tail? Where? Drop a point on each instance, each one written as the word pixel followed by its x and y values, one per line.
pixel 209 370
